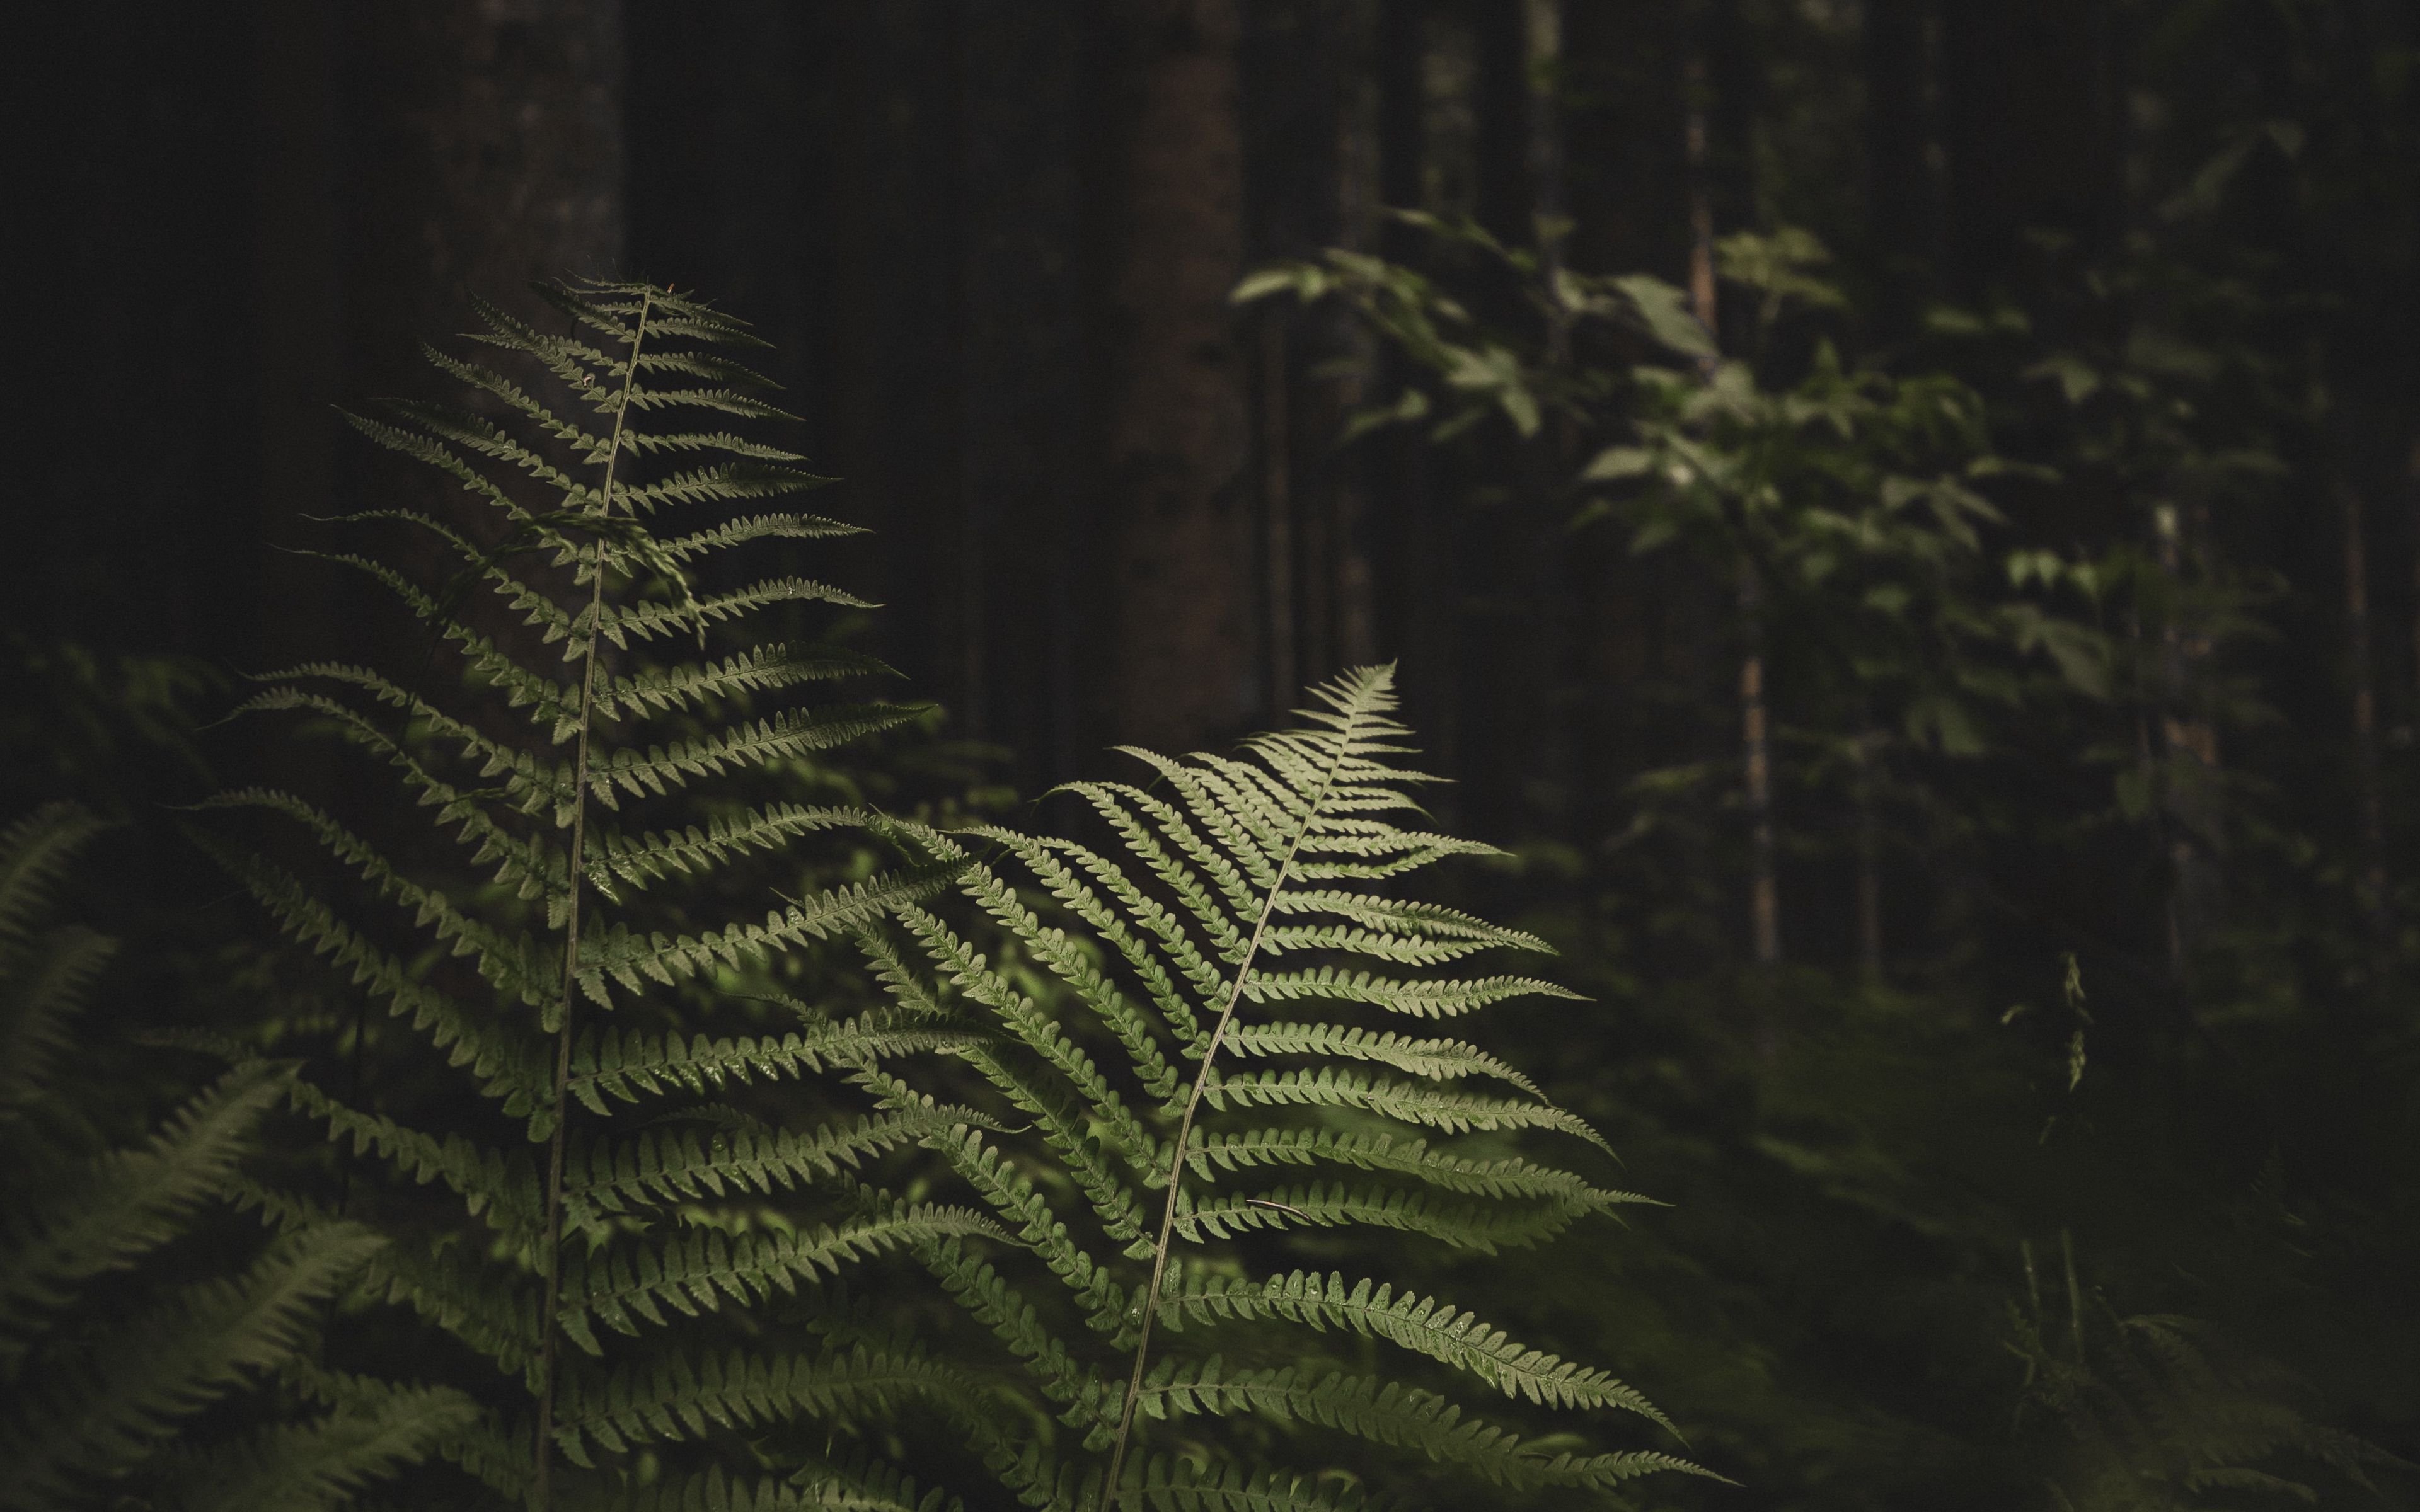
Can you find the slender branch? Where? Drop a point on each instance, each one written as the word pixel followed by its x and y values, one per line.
pixel 542 1477
pixel 1192 1104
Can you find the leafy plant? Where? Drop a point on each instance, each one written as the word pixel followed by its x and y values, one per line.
pixel 572 1207
pixel 1192 1023
pixel 2159 1415
pixel 126 1380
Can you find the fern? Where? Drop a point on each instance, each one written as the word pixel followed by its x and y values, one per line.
pixel 105 1365
pixel 599 1202
pixel 2158 1414
pixel 1182 1025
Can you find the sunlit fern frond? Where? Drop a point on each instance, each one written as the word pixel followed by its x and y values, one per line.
pixel 116 1337
pixel 1217 1030
pixel 569 1092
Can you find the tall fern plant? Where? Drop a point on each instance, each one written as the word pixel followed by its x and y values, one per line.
pixel 602 1212
pixel 1194 1024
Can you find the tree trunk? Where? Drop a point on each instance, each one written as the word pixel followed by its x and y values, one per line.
pixel 486 153
pixel 1176 426
pixel 1755 762
pixel 1901 216
pixel 2031 121
pixel 2369 799
pixel 1867 800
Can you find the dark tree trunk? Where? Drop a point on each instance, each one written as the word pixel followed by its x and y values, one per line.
pixel 2030 120
pixel 1621 114
pixel 1901 215
pixel 483 153
pixel 1173 383
pixel 486 152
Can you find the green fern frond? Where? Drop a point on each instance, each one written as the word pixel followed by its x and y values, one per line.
pixel 1505 1177
pixel 369 1431
pixel 1483 1225
pixel 1239 884
pixel 623 956
pixel 624 1066
pixel 1438 1107
pixel 684 1397
pixel 761 670
pixel 697 1271
pixel 506 1066
pixel 122 1398
pixel 1182 1486
pixel 670 1165
pixel 125 1203
pixel 875 1490
pixel 1420 999
pixel 1421 1324
pixel 35 851
pixel 660 769
pixel 527 1224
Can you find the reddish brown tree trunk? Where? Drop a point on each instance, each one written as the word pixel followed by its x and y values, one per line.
pixel 1177 431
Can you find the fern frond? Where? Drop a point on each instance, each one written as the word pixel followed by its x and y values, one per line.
pixel 663 768
pixel 1182 1486
pixel 1483 1225
pixel 1226 868
pixel 697 1271
pixel 35 853
pixel 515 963
pixel 1438 1107
pixel 616 1175
pixel 124 1396
pixel 1418 998
pixel 505 1067
pixel 370 1429
pixel 636 861
pixel 623 956
pixel 682 1397
pixel 1507 1177
pixel 498 1187
pixel 761 670
pixel 624 1066
pixel 1390 1412
pixel 1421 1324
pixel 646 622
pixel 126 1203
pixel 1441 1059
pixel 875 1490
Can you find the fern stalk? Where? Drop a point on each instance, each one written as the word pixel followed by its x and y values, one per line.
pixel 1185 1124
pixel 542 1470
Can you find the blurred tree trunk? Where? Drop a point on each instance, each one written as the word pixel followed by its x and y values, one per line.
pixel 1175 423
pixel 483 152
pixel 1902 217
pixel 2371 808
pixel 2031 121
pixel 486 152
pixel 1643 622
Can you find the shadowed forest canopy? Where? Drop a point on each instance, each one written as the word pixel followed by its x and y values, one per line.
pixel 1898 519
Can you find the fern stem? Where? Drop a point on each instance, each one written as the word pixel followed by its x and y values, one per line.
pixel 1109 1491
pixel 542 1449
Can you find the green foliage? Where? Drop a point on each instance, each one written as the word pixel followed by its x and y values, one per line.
pixel 588 1215
pixel 2160 1416
pixel 147 1359
pixel 1190 1022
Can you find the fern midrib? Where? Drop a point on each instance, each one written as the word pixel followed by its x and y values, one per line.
pixel 1109 1490
pixel 542 1447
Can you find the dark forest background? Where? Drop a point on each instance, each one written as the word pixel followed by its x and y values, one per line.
pixel 2120 971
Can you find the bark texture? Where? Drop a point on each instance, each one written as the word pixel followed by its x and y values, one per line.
pixel 1176 423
